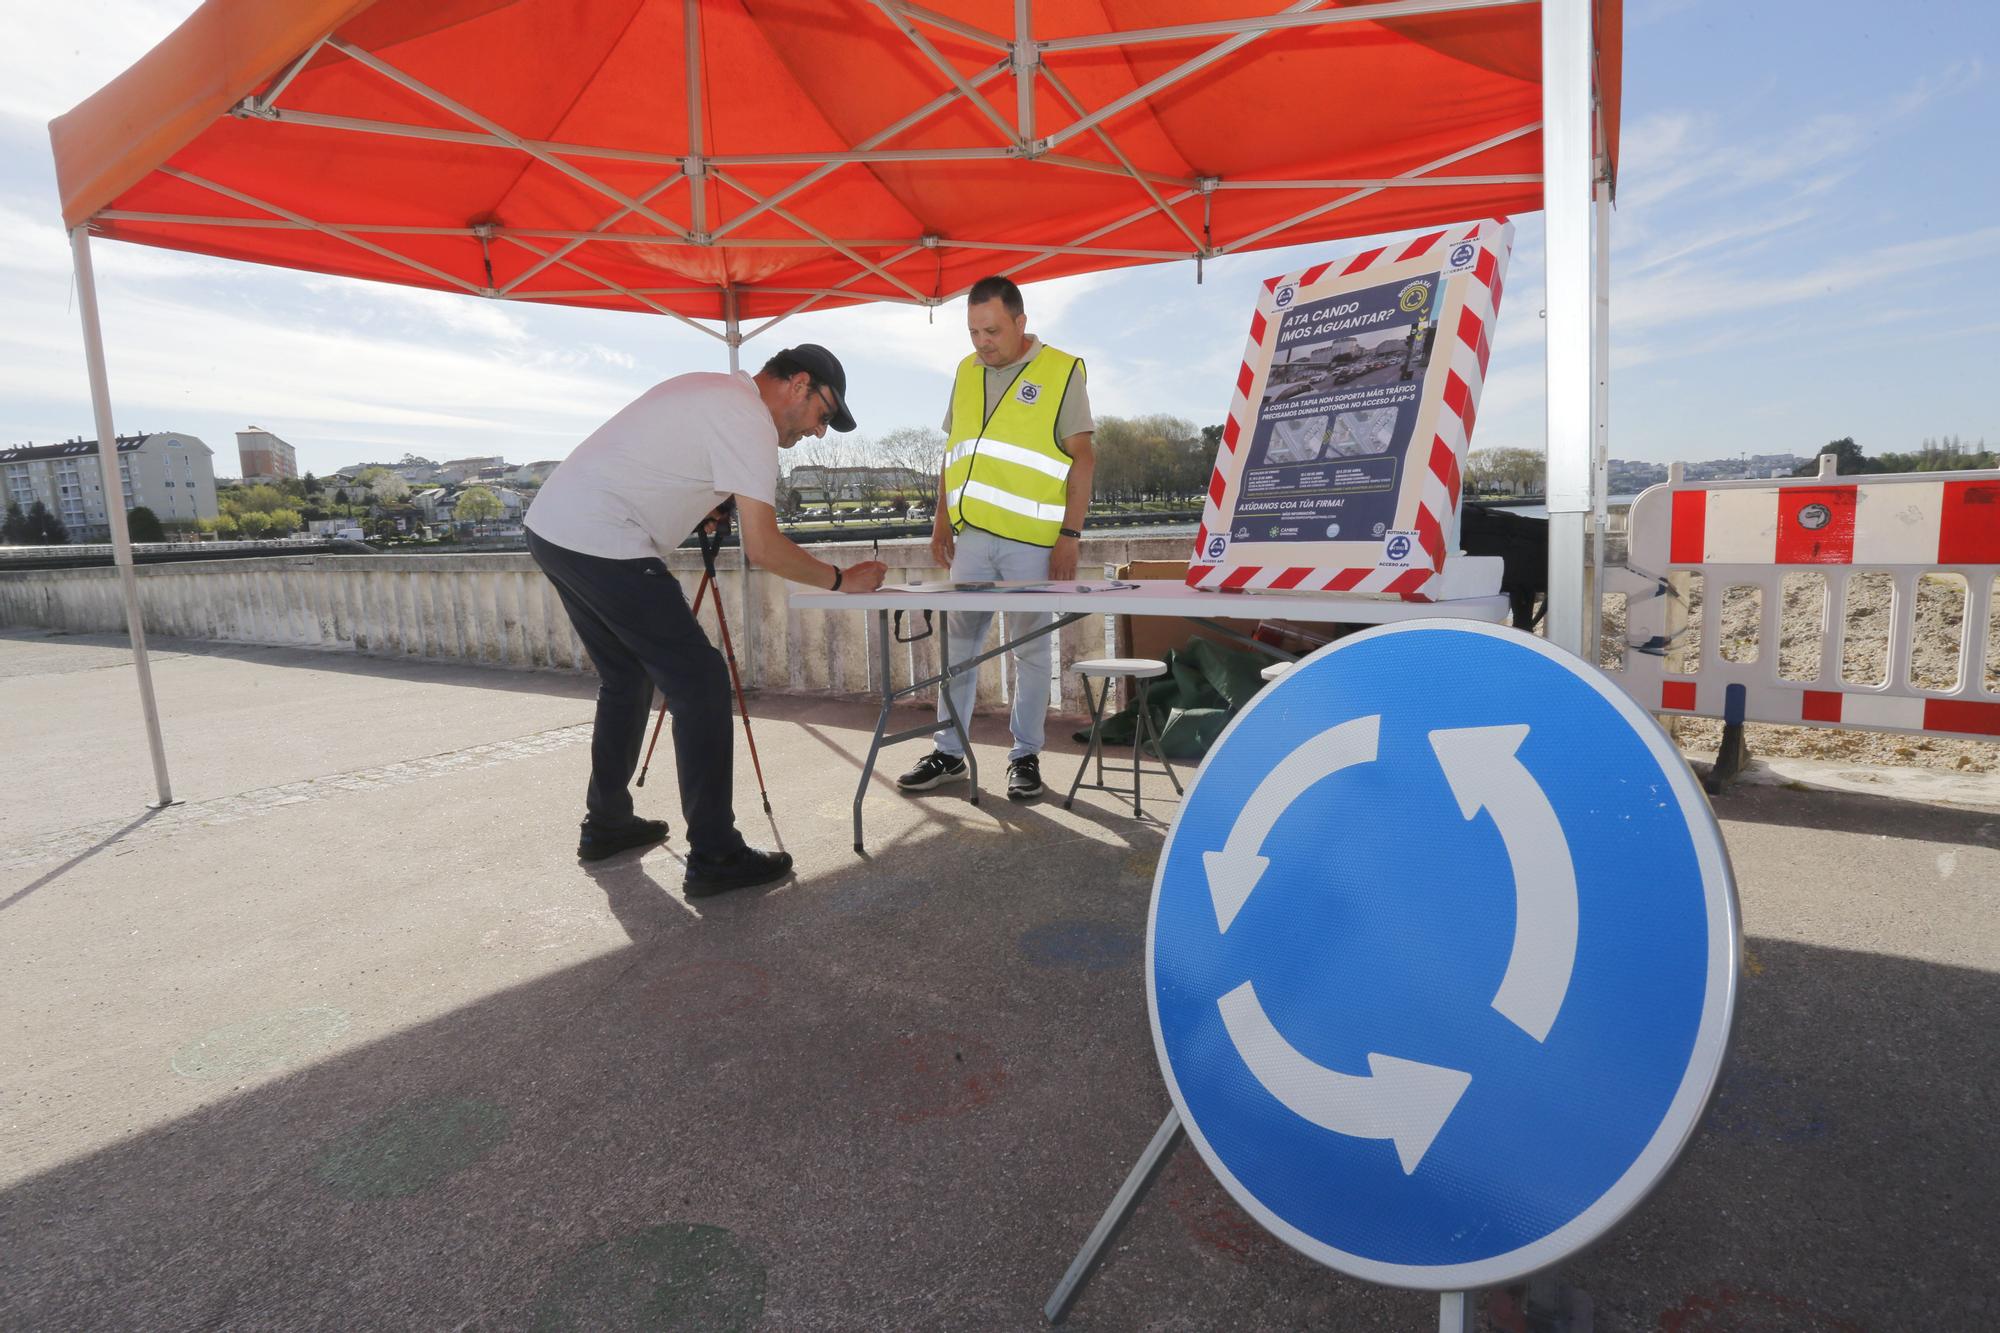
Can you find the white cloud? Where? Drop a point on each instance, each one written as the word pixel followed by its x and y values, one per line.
pixel 57 55
pixel 1696 291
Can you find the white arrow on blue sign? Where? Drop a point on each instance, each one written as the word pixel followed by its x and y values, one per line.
pixel 1443 954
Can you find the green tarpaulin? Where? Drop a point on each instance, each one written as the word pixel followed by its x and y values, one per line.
pixel 1206 683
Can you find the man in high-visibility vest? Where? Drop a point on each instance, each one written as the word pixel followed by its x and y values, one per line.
pixel 1011 504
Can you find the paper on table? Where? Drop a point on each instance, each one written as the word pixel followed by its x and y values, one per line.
pixel 975 585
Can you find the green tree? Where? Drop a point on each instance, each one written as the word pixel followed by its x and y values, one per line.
pixel 311 485
pixel 144 525
pixel 478 506
pixel 14 531
pixel 44 528
pixel 223 526
pixel 1515 470
pixel 340 497
pixel 388 487
pixel 1852 460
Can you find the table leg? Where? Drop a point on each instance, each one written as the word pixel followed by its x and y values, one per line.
pixel 881 723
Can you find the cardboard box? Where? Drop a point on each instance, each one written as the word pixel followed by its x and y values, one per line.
pixel 1152 636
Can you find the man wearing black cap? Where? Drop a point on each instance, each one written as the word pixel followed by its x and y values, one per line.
pixel 600 529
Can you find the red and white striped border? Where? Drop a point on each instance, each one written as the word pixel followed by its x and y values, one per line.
pixel 1905 525
pixel 1901 523
pixel 1437 516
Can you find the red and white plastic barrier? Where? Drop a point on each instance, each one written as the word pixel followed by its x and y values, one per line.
pixel 1753 533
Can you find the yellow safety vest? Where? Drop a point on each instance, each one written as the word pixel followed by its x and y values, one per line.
pixel 1007 474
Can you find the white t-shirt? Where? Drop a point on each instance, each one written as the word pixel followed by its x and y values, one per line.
pixel 642 482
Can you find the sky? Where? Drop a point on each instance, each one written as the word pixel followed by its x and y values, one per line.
pixel 1806 246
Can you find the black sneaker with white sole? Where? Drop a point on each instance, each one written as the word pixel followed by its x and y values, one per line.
pixel 934 770
pixel 1024 778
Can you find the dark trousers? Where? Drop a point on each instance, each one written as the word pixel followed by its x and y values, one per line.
pixel 635 623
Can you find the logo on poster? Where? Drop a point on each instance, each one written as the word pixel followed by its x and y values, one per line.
pixel 1814 517
pixel 1218 546
pixel 1285 295
pixel 1029 392
pixel 1333 529
pixel 1414 297
pixel 1398 547
pixel 1462 256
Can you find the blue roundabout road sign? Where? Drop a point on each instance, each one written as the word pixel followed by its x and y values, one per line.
pixel 1442 957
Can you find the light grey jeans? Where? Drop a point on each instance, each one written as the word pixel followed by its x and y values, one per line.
pixel 981 555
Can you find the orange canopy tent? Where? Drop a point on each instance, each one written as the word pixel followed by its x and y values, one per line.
pixel 723 161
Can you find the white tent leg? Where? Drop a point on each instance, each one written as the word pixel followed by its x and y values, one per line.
pixel 1566 159
pixel 114 503
pixel 1600 357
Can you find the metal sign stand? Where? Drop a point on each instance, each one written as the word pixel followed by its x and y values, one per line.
pixel 1457 1310
pixel 1123 1204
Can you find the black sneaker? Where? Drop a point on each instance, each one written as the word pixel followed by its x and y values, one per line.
pixel 934 770
pixel 1024 778
pixel 742 869
pixel 594 844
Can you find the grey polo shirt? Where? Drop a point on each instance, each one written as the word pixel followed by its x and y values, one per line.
pixel 1073 419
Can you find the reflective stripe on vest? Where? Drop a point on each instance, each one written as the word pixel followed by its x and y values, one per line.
pixel 1007 473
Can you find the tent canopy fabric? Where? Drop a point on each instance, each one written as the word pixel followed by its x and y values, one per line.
pixel 726 160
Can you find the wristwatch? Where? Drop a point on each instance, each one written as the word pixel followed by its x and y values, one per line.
pixel 1068 532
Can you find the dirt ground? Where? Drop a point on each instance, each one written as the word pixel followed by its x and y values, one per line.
pixel 1935 656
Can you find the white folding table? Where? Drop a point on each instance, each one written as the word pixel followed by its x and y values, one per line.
pixel 1070 602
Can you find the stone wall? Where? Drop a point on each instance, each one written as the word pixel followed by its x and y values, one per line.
pixel 496 609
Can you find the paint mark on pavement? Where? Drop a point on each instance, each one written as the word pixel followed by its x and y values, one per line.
pixel 1756 1104
pixel 1093 946
pixel 1729 1310
pixel 411 1148
pixel 255 1045
pixel 681 1276
pixel 934 1075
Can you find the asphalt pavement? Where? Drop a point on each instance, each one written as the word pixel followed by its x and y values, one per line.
pixel 350 1039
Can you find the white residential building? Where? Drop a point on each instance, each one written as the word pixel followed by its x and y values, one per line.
pixel 169 473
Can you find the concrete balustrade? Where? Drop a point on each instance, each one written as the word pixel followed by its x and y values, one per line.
pixel 496 609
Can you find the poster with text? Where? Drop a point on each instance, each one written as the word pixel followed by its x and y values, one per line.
pixel 1351 418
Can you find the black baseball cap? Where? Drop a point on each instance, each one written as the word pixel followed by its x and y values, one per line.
pixel 825 369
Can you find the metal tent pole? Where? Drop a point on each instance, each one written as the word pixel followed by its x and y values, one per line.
pixel 732 330
pixel 1566 205
pixel 733 335
pixel 1600 356
pixel 114 503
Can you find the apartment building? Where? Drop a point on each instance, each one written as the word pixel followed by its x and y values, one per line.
pixel 264 456
pixel 169 473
